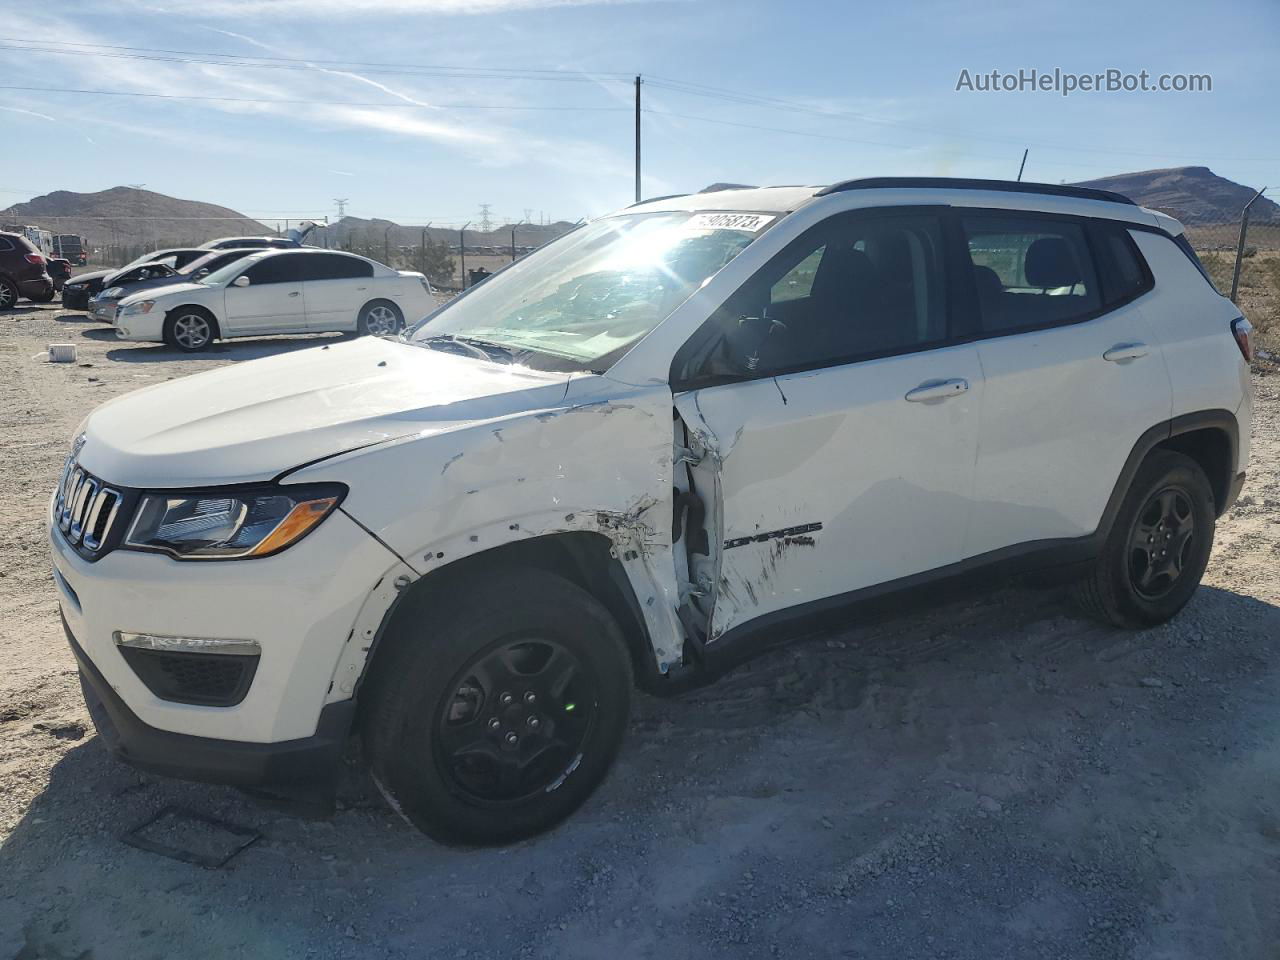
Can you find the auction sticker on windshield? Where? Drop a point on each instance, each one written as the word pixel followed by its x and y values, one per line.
pixel 751 222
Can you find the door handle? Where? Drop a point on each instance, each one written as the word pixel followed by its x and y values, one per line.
pixel 294 294
pixel 1125 351
pixel 934 390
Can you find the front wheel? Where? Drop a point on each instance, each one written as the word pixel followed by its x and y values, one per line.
pixel 1158 547
pixel 381 318
pixel 190 329
pixel 491 722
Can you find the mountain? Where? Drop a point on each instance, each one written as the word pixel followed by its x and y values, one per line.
pixel 128 216
pixel 1191 194
pixel 376 233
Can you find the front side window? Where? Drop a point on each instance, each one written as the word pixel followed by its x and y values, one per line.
pixel 581 302
pixel 855 287
pixel 1030 272
pixel 277 269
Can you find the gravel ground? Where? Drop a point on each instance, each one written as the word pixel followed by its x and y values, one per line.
pixel 977 775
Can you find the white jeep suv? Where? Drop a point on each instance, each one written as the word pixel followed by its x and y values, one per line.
pixel 677 429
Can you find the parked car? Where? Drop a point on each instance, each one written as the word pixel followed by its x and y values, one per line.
pixel 22 272
pixel 76 295
pixel 635 453
pixel 59 270
pixel 229 243
pixel 102 307
pixel 278 291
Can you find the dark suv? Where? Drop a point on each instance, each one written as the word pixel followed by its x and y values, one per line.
pixel 22 272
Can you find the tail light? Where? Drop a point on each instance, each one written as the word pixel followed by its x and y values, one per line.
pixel 1242 330
pixel 35 258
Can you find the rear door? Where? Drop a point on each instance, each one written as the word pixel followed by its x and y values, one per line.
pixel 1073 373
pixel 846 421
pixel 335 287
pixel 273 301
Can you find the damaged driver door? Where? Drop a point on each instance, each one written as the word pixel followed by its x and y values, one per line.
pixel 827 428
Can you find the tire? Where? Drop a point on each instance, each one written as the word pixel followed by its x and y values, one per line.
pixel 1158 547
pixel 379 318
pixel 8 294
pixel 438 729
pixel 190 329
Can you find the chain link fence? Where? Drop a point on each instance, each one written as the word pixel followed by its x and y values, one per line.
pixel 1251 246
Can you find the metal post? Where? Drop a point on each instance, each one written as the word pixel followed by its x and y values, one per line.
pixel 462 249
pixel 1022 166
pixel 423 261
pixel 637 138
pixel 513 244
pixel 1244 229
pixel 386 246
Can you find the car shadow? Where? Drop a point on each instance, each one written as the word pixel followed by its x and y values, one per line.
pixel 989 758
pixel 75 318
pixel 233 350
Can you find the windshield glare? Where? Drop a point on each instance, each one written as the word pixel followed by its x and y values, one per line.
pixel 579 303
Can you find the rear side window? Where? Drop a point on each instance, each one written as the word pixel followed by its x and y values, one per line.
pixel 5 245
pixel 1184 245
pixel 278 269
pixel 333 266
pixel 1121 270
pixel 1030 272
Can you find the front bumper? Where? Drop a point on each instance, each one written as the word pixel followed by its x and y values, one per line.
pixel 104 311
pixel 77 299
pixel 292 763
pixel 300 605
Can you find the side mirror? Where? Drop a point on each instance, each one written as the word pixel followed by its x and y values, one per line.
pixel 240 281
pixel 204 272
pixel 751 334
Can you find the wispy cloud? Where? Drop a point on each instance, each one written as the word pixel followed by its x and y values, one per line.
pixel 283 9
pixel 343 173
pixel 31 113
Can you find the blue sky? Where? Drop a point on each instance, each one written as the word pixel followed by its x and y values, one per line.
pixel 869 89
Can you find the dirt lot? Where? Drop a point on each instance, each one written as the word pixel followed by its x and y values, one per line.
pixel 978 776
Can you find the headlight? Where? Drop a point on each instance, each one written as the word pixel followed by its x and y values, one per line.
pixel 112 293
pixel 232 523
pixel 142 306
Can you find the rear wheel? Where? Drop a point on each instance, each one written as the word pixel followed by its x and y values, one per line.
pixel 490 722
pixel 190 329
pixel 380 318
pixel 8 293
pixel 1158 547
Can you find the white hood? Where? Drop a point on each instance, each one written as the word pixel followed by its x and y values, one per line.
pixel 255 420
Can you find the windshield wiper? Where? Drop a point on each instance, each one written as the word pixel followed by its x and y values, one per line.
pixel 482 349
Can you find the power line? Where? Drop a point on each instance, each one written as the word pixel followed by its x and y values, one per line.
pixel 317 60
pixel 318 103
pixel 227 60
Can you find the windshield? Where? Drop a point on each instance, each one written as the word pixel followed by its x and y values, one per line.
pixel 581 302
pixel 145 258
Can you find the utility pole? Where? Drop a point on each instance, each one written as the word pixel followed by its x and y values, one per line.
pixel 342 206
pixel 462 249
pixel 637 138
pixel 326 231
pixel 1022 166
pixel 513 244
pixel 386 245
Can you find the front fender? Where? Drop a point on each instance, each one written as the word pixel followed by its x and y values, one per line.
pixel 600 461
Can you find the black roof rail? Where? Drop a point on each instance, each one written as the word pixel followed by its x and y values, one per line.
pixel 965 183
pixel 669 196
